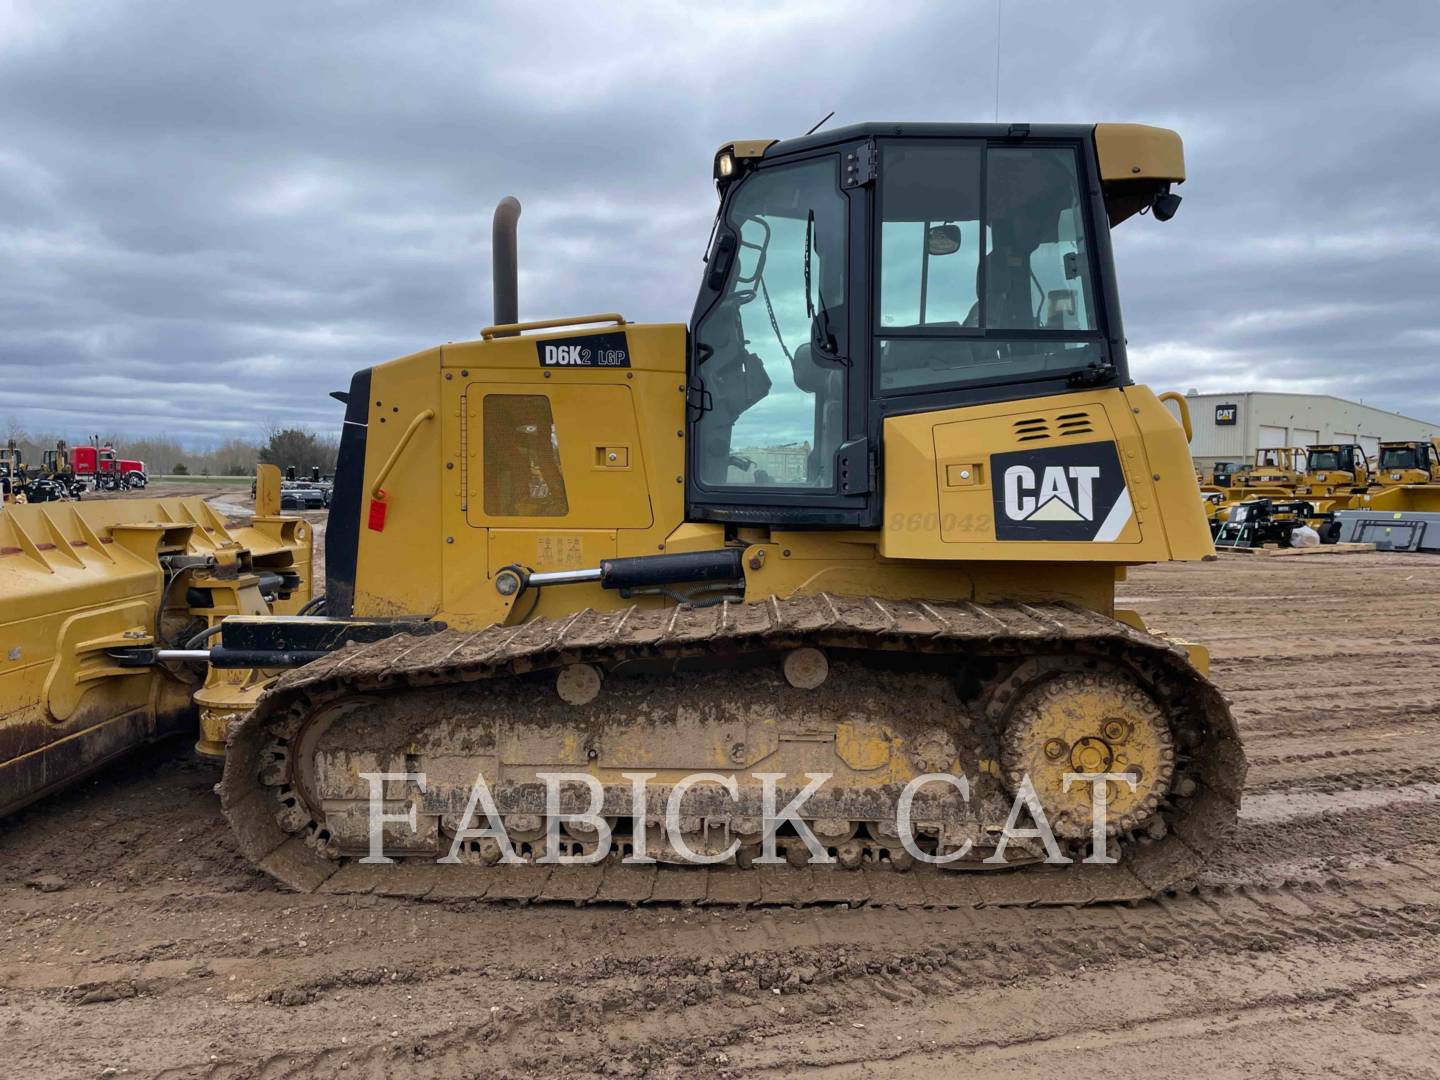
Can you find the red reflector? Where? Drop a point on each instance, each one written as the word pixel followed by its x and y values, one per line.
pixel 377 514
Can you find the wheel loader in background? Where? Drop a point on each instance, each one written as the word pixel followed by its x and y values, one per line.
pixel 862 518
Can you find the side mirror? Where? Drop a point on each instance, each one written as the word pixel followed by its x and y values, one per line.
pixel 943 240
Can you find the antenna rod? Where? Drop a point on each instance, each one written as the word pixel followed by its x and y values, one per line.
pixel 997 60
pixel 818 126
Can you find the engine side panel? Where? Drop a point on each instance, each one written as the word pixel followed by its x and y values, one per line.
pixel 1101 477
pixel 537 453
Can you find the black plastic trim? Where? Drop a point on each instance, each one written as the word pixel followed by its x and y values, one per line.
pixel 342 529
pixel 314 633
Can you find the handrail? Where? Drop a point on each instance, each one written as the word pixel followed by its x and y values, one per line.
pixel 1179 399
pixel 377 489
pixel 547 324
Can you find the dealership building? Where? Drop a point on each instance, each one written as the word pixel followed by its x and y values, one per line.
pixel 1231 427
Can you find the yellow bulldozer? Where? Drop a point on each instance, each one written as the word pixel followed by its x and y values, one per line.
pixel 1275 475
pixel 1334 472
pixel 1414 462
pixel 1276 472
pixel 1401 510
pixel 846 543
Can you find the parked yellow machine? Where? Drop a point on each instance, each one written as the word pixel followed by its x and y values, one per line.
pixel 12 464
pixel 81 582
pixel 1334 474
pixel 1413 462
pixel 1276 472
pixel 56 461
pixel 863 517
pixel 1407 483
pixel 1403 512
pixel 1273 474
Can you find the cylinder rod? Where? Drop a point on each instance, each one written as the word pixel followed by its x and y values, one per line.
pixel 564 577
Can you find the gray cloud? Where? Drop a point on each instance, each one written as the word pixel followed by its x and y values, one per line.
pixel 210 215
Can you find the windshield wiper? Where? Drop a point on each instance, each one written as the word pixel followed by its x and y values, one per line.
pixel 821 336
pixel 824 340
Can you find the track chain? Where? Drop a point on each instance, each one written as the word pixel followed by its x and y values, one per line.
pixel 1197 824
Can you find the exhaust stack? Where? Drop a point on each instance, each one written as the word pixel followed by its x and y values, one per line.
pixel 505 268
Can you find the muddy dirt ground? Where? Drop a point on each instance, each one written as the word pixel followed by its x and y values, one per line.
pixel 1310 950
pixel 161 489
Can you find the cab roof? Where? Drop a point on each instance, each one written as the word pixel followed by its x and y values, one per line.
pixel 1134 160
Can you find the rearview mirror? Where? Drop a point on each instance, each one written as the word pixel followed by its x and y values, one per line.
pixel 943 240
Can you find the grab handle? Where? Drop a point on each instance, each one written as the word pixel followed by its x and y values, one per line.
pixel 509 329
pixel 377 490
pixel 1179 399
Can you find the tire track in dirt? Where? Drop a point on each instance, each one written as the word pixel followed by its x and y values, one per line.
pixel 828 981
pixel 1309 946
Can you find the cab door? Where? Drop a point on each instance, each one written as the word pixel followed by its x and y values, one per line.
pixel 777 394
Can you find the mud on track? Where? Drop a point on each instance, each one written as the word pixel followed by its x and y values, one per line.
pixel 1313 947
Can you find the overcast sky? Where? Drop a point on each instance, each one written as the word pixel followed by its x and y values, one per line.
pixel 210 214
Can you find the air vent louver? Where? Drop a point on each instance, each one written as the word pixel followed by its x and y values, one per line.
pixel 1053 427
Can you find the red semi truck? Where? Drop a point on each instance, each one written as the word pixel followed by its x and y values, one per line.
pixel 104 469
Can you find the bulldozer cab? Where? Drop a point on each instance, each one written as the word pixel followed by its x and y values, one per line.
pixel 1414 462
pixel 1322 461
pixel 1276 457
pixel 12 464
pixel 908 332
pixel 876 271
pixel 1276 465
pixel 1345 458
pixel 1223 473
pixel 56 460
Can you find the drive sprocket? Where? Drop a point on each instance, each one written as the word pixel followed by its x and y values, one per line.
pixel 1086 723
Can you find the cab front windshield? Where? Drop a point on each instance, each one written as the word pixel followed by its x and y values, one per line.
pixel 1400 457
pixel 1326 459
